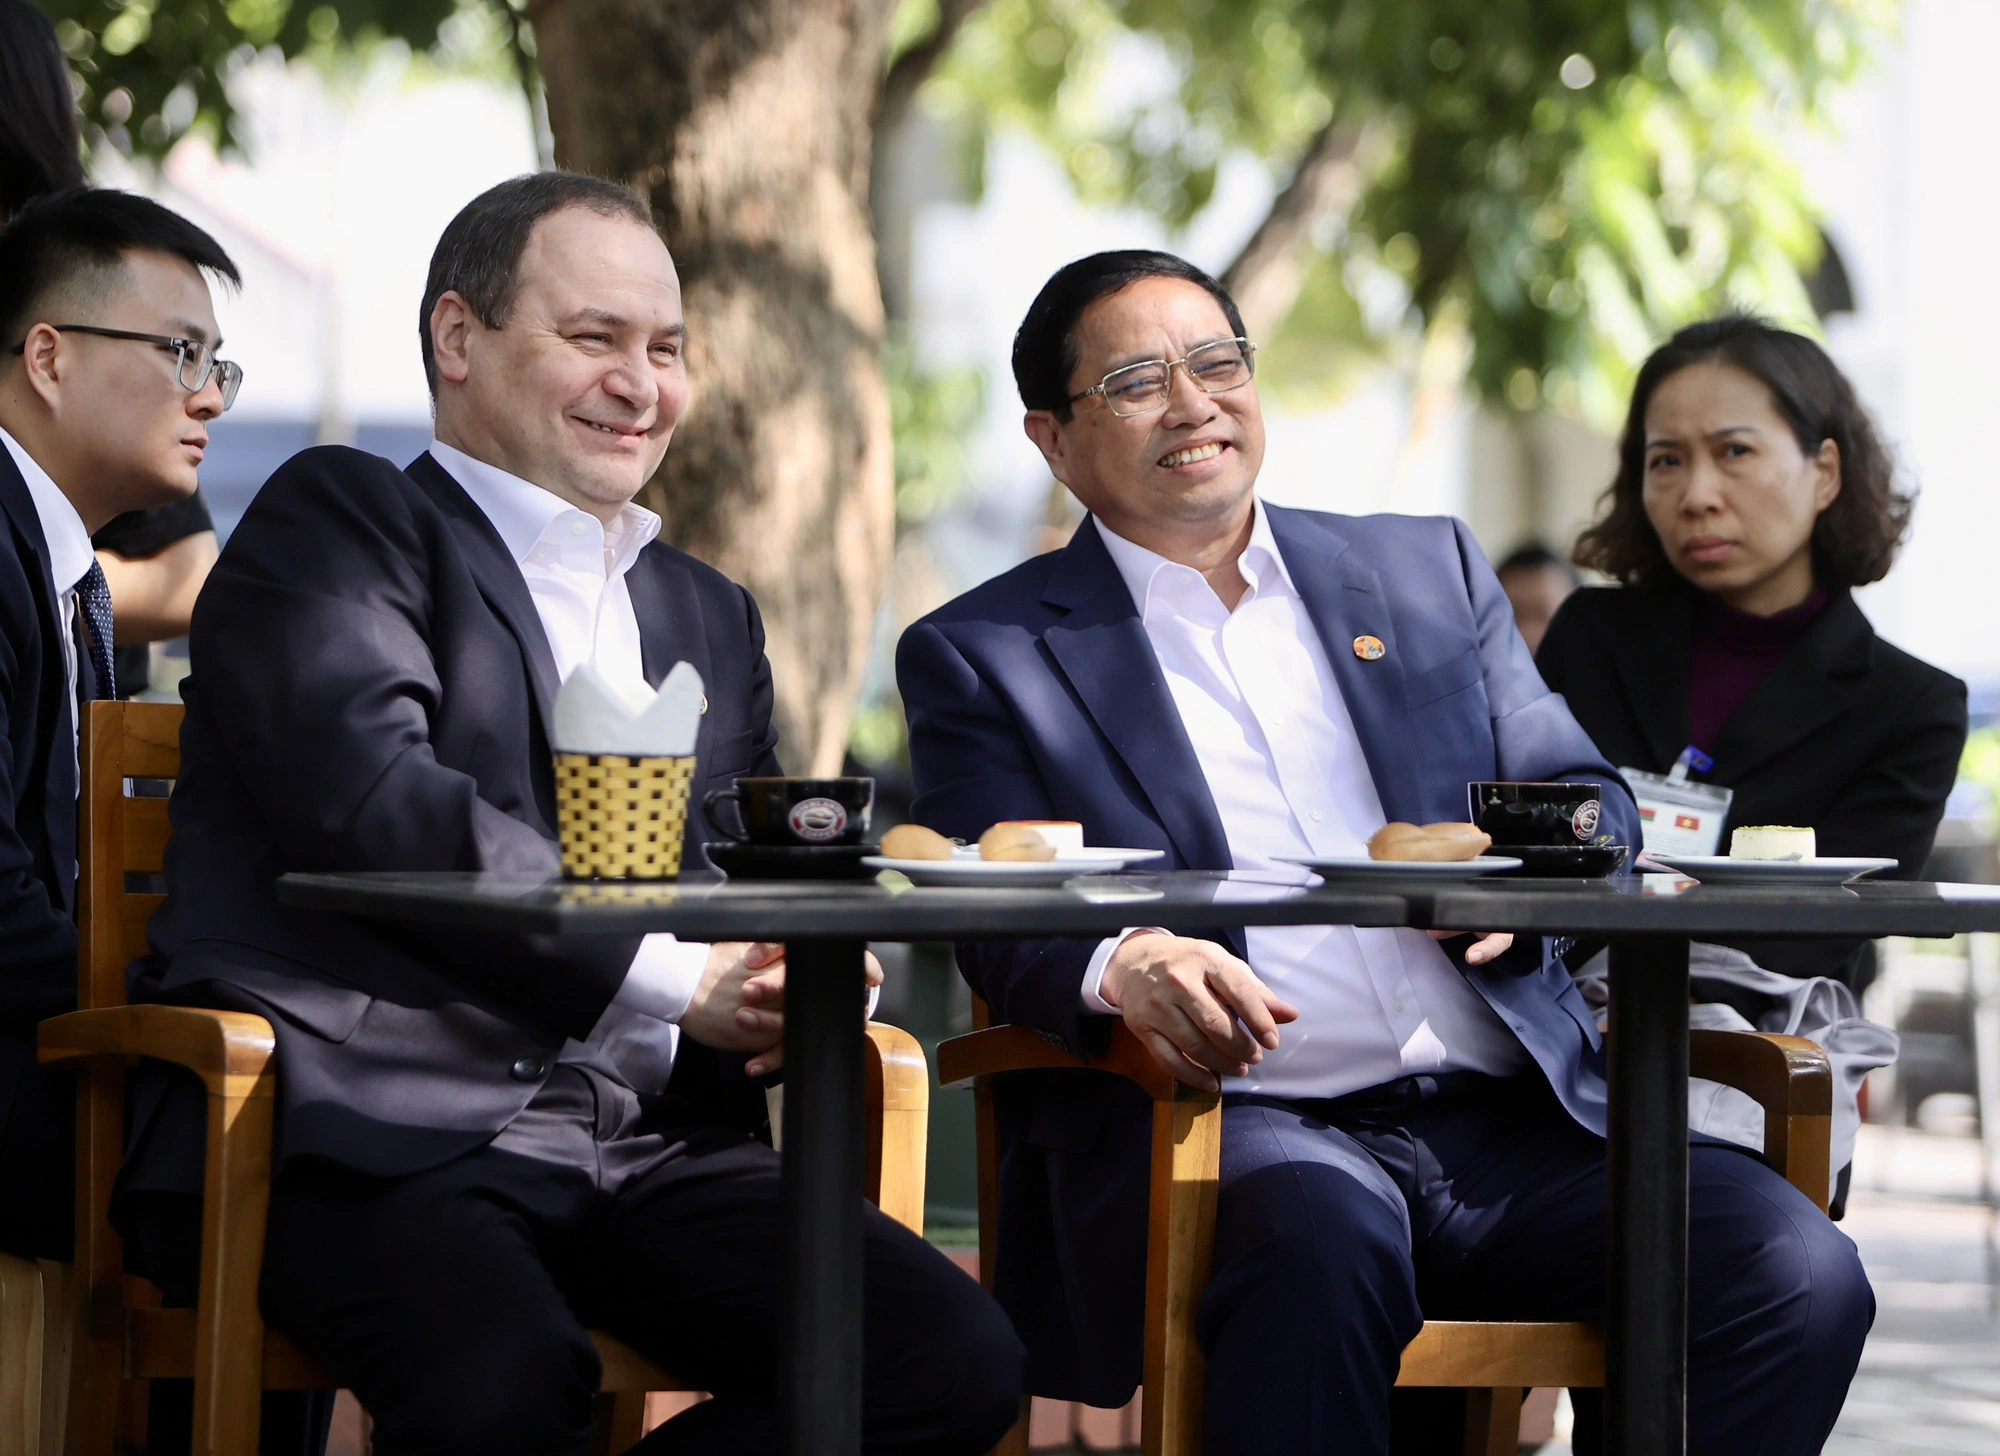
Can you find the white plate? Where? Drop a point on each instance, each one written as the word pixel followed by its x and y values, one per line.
pixel 1717 869
pixel 1363 868
pixel 967 868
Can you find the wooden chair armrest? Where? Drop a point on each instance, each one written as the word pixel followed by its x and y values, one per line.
pixel 1001 1049
pixel 223 1048
pixel 899 1092
pixel 233 1055
pixel 1792 1080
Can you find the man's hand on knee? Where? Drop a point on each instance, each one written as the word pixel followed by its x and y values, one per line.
pixel 739 1006
pixel 1202 1012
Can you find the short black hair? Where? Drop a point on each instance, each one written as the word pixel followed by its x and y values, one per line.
pixel 478 257
pixel 39 146
pixel 1045 348
pixel 1534 556
pixel 78 239
pixel 1855 540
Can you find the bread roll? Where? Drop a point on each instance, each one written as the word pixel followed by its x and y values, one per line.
pixel 913 841
pixel 1428 843
pixel 1018 842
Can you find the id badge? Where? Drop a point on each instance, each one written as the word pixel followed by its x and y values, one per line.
pixel 1677 815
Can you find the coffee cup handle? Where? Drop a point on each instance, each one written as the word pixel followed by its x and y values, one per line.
pixel 717 796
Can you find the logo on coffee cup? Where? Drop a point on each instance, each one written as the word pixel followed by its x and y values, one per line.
pixel 1584 821
pixel 819 820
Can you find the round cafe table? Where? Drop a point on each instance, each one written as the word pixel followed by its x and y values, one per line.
pixel 825 927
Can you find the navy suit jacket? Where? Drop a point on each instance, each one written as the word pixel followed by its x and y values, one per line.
pixel 371 689
pixel 1038 696
pixel 37 877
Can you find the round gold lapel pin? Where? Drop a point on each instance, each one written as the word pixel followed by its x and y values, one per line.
pixel 1369 649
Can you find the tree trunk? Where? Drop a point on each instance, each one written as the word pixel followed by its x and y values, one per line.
pixel 747 125
pixel 1266 276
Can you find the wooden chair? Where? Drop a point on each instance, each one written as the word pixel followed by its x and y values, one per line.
pixel 222 1343
pixel 1495 1363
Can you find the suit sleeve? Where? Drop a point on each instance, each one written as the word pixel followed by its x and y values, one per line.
pixel 1535 737
pixel 764 751
pixel 973 768
pixel 312 659
pixel 37 940
pixel 1892 807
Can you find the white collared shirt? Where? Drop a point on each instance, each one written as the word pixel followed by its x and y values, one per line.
pixel 1285 768
pixel 70 557
pixel 575 570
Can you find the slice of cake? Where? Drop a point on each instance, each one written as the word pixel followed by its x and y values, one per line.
pixel 1773 841
pixel 1064 836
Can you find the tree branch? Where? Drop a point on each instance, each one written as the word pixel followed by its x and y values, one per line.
pixel 913 67
pixel 1267 274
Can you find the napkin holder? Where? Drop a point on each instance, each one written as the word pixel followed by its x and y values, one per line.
pixel 622 818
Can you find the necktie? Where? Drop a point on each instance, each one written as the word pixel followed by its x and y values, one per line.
pixel 93 595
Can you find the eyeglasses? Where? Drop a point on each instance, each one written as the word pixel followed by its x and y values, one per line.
pixel 1139 389
pixel 194 361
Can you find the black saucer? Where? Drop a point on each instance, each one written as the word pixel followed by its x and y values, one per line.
pixel 792 862
pixel 1565 861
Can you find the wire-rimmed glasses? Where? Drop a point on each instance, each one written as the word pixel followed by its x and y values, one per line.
pixel 194 361
pixel 1139 389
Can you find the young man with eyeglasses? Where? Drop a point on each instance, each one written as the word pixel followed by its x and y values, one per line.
pixel 108 380
pixel 1411 1129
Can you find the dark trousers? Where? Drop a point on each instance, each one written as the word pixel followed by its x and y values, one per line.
pixel 37 1154
pixel 455 1302
pixel 1342 1225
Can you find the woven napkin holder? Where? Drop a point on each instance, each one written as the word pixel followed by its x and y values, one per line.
pixel 622 818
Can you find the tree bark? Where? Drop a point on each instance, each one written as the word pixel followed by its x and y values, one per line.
pixel 746 123
pixel 1267 274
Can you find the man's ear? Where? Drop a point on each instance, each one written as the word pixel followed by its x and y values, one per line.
pixel 452 322
pixel 42 362
pixel 1046 431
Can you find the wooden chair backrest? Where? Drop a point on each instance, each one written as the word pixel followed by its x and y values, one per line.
pixel 128 756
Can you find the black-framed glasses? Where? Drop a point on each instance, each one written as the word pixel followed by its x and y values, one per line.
pixel 1139 389
pixel 194 361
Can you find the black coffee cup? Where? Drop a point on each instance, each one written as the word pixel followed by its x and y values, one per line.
pixel 808 813
pixel 1537 814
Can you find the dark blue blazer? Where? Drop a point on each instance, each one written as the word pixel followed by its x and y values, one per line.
pixel 1038 696
pixel 371 689
pixel 37 879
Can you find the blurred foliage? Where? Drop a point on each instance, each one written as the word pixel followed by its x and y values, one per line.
pixel 1582 176
pixel 152 71
pixel 936 414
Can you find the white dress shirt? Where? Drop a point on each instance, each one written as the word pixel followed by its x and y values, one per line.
pixel 1286 771
pixel 70 555
pixel 575 569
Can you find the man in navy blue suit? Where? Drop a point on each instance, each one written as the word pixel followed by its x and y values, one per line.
pixel 1411 1128
pixel 108 382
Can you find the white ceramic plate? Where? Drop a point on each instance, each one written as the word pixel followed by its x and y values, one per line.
pixel 967 868
pixel 1363 868
pixel 1717 869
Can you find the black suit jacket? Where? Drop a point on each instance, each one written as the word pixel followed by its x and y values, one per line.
pixel 37 875
pixel 1847 734
pixel 371 689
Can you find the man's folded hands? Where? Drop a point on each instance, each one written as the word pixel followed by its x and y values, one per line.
pixel 1200 1011
pixel 739 1006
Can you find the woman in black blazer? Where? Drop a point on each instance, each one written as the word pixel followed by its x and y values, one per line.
pixel 1752 495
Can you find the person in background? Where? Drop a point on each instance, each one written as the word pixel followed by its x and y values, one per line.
pixel 108 382
pixel 155 560
pixel 1753 495
pixel 1537 581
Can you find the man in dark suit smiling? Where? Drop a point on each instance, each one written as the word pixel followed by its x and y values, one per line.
pixel 481 1153
pixel 1408 1131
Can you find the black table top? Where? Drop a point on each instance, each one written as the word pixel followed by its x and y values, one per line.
pixel 1102 904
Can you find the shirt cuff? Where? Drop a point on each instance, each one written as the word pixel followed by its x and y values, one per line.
pixel 663 977
pixel 1092 998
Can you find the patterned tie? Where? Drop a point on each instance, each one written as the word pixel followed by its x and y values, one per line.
pixel 93 595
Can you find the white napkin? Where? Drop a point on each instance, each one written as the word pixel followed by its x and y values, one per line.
pixel 595 715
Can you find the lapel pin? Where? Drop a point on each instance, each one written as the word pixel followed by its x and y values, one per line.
pixel 1369 649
